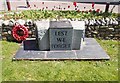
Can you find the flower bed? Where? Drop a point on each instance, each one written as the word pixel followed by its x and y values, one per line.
pixel 49 14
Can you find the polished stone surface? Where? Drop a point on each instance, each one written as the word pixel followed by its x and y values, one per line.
pixel 60 35
pixel 61 39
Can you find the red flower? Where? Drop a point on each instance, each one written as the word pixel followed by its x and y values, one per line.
pixel 75 4
pixel 42 2
pixel 52 9
pixel 93 4
pixel 75 8
pixel 42 8
pixel 46 7
pixel 28 5
pixel 34 5
pixel 78 10
pixel 98 10
pixel 83 11
pixel 90 10
pixel 68 6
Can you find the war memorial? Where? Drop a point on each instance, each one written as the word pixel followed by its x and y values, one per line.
pixel 59 40
pixel 56 39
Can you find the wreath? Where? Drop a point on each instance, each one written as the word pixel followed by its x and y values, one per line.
pixel 20 32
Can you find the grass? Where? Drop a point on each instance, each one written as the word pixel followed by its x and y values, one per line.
pixel 0 62
pixel 60 70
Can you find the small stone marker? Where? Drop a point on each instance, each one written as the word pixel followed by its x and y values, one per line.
pixel 60 35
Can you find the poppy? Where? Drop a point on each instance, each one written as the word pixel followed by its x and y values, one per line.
pixel 52 9
pixel 83 11
pixel 90 10
pixel 78 10
pixel 68 6
pixel 42 2
pixel 34 5
pixel 75 4
pixel 75 8
pixel 93 5
pixel 98 10
pixel 42 8
pixel 28 5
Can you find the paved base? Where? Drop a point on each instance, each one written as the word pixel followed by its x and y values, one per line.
pixel 91 51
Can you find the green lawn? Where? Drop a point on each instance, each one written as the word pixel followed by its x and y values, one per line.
pixel 60 70
pixel 0 62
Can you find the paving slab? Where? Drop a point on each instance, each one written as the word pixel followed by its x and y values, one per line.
pixel 61 55
pixel 91 51
pixel 28 55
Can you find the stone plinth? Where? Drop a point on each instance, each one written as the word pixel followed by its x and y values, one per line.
pixel 60 35
pixel 91 51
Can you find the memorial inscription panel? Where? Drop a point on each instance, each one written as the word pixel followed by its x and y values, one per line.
pixel 61 36
pixel 61 39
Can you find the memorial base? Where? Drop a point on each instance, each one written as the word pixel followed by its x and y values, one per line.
pixel 91 50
